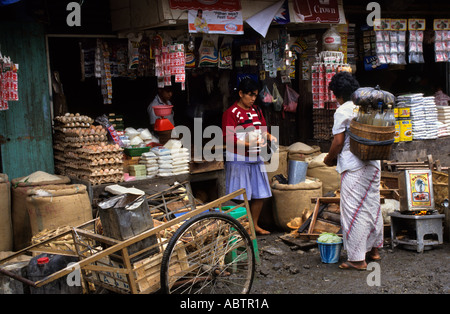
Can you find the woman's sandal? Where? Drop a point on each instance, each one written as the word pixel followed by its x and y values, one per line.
pixel 373 258
pixel 350 266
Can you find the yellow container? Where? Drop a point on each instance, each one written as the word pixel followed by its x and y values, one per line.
pixel 397 132
pixel 405 130
pixel 396 112
pixel 404 112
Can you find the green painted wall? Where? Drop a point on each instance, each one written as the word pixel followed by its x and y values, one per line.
pixel 27 124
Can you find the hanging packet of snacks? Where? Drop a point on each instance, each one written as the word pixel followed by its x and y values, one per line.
pixel 9 90
pixel 390 42
pixel 416 29
pixel 189 53
pixel 208 54
pixel 103 70
pixel 133 50
pixel 442 40
pixel 170 61
pixel 322 72
pixel 225 53
pixel 177 63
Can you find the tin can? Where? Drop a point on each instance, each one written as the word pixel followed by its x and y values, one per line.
pixel 405 130
pixel 396 112
pixel 404 112
pixel 397 132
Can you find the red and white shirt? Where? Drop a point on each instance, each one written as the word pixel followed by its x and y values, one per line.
pixel 238 122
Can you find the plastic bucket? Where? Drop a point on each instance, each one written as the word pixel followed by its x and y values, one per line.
pixel 297 171
pixel 330 252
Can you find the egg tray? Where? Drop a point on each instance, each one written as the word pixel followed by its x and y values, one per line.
pixel 95 171
pixel 73 117
pixel 77 131
pixel 104 179
pixel 111 149
pixel 92 165
pixel 64 127
pixel 89 139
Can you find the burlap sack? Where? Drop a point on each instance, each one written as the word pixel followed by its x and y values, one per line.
pixel 331 179
pixel 20 218
pixel 53 206
pixel 294 200
pixel 281 156
pixel 300 151
pixel 6 231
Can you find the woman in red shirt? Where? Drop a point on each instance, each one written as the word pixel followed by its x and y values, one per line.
pixel 245 134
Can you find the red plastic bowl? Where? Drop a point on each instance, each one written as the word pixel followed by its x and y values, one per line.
pixel 162 110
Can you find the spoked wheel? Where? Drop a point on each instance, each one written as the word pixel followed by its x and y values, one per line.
pixel 210 253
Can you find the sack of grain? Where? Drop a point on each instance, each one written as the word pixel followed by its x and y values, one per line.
pixel 330 178
pixel 20 218
pixel 53 206
pixel 278 163
pixel 300 151
pixel 294 200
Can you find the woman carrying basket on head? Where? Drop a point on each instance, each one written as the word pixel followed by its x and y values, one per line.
pixel 361 219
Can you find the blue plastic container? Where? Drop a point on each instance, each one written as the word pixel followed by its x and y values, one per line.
pixel 297 171
pixel 330 252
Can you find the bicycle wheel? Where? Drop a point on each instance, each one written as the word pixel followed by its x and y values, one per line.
pixel 210 253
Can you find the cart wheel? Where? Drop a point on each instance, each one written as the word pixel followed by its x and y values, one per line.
pixel 210 253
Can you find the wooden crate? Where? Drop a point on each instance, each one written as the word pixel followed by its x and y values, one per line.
pixel 318 225
pixel 148 271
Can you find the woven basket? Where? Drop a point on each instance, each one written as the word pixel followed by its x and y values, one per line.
pixel 376 135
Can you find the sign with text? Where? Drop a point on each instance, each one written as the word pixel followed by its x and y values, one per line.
pixel 215 22
pixel 317 11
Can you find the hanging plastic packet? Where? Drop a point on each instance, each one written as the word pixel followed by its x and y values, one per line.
pixel 416 28
pixel 225 53
pixel 103 120
pixel 133 50
pixel 290 100
pixel 441 45
pixel 208 51
pixel 265 96
pixel 277 99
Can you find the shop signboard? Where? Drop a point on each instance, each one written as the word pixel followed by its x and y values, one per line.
pixel 318 11
pixel 215 22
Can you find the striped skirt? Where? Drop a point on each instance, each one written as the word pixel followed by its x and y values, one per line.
pixel 361 218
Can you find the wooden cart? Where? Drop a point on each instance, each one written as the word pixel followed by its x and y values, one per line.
pixel 197 249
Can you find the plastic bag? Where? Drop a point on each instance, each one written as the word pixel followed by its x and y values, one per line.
pixel 208 52
pixel 277 100
pixel 103 120
pixel 290 100
pixel 265 96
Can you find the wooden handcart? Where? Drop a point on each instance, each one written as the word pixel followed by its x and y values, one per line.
pixel 197 249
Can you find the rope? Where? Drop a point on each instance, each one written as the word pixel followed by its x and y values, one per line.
pixel 368 142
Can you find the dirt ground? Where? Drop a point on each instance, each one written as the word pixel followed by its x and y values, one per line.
pixel 287 269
